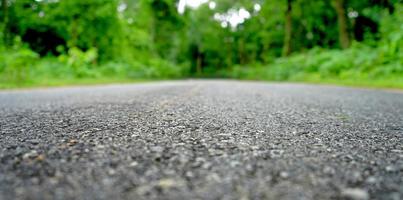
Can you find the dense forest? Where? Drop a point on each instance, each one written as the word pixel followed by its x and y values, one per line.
pixel 45 42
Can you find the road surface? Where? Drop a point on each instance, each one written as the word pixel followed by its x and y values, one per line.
pixel 201 140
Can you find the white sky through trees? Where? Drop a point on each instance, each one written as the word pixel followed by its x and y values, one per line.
pixel 232 17
pixel 189 3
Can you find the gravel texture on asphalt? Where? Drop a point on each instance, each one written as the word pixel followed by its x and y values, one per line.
pixel 201 140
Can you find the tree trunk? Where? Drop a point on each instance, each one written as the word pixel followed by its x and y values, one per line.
pixel 4 7
pixel 288 30
pixel 5 20
pixel 73 33
pixel 344 38
pixel 199 63
pixel 241 51
pixel 229 52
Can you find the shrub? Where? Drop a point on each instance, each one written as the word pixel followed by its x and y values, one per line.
pixel 16 63
pixel 81 61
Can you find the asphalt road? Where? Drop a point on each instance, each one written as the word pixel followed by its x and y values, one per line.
pixel 201 140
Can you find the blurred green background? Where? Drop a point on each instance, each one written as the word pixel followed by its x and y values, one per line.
pixel 58 42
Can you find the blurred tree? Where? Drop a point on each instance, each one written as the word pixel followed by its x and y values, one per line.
pixel 344 37
pixel 166 24
pixel 4 26
pixel 215 37
pixel 288 29
pixel 46 24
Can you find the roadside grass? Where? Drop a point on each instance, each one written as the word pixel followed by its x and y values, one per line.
pixel 67 82
pixel 50 73
pixel 393 82
pixel 381 83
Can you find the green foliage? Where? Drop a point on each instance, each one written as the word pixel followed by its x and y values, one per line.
pixel 80 61
pixel 150 39
pixel 157 69
pixel 357 62
pixel 361 62
pixel 17 62
pixel 391 45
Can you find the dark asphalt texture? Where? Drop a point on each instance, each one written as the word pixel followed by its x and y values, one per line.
pixel 201 140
